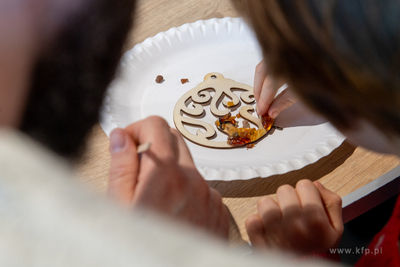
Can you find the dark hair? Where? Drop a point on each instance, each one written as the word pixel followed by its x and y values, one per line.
pixel 340 56
pixel 70 78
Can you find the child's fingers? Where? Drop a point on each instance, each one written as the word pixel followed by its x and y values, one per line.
pixel 255 230
pixel 267 95
pixel 259 77
pixel 333 206
pixel 288 201
pixel 281 102
pixel 308 194
pixel 269 211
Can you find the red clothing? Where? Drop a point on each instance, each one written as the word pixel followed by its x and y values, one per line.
pixel 383 250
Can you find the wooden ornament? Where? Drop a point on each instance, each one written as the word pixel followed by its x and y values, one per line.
pixel 189 110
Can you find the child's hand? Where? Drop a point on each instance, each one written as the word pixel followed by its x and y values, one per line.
pixel 305 220
pixel 265 89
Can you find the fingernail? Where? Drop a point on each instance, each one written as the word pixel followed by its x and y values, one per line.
pixel 258 111
pixel 319 184
pixel 274 114
pixel 117 141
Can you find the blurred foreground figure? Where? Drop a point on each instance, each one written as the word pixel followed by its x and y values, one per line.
pixel 341 58
pixel 56 60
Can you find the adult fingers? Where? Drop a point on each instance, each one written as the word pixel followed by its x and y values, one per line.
pixel 219 215
pixel 156 131
pixel 281 102
pixel 156 163
pixel 224 222
pixel 124 167
pixel 333 206
pixel 184 156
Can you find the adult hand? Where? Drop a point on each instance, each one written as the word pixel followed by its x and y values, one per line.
pixel 306 219
pixel 265 89
pixel 163 178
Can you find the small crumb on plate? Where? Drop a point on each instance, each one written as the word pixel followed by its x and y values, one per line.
pixel 159 79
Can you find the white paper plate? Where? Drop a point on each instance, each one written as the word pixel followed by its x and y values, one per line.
pixel 191 51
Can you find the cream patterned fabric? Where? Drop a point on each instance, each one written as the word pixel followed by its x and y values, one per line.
pixel 48 220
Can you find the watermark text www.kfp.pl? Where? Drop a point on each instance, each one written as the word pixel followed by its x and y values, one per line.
pixel 356 250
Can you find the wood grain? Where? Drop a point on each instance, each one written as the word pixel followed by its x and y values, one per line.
pixel 154 16
pixel 343 171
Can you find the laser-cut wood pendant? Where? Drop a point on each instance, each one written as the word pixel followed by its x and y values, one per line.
pixel 189 110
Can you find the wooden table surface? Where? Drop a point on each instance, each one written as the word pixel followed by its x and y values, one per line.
pixel 343 171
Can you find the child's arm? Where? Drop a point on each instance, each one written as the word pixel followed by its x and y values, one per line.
pixel 305 219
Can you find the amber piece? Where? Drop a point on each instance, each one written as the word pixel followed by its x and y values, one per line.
pixel 183 81
pixel 230 104
pixel 227 119
pixel 267 122
pixel 239 141
pixel 249 146
pixel 159 79
pixel 238 115
pixel 238 136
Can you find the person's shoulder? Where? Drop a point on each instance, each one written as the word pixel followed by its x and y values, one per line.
pixel 23 155
pixel 49 220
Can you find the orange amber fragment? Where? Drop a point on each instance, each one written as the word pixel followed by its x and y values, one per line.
pixel 248 146
pixel 229 104
pixel 226 119
pixel 239 141
pixel 267 122
pixel 239 136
